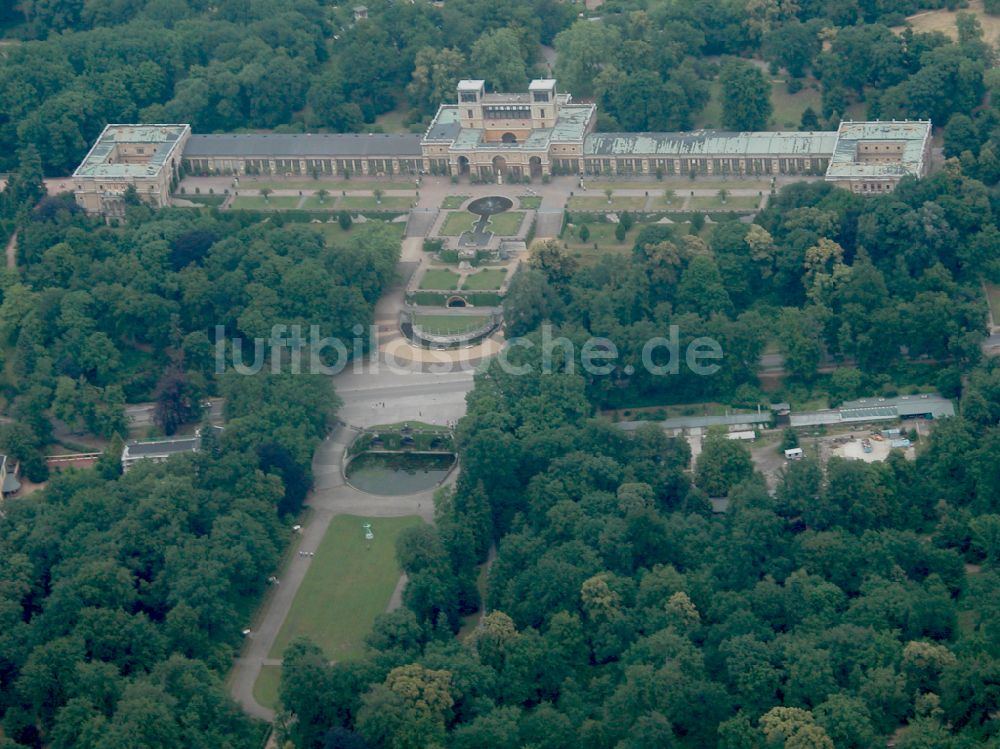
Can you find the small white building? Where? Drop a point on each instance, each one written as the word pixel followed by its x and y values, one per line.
pixel 8 477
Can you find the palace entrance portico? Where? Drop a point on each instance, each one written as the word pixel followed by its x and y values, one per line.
pixel 489 165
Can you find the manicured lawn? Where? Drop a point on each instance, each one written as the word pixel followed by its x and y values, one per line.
pixel 364 203
pixel 439 279
pixel 273 202
pixel 449 324
pixel 683 188
pixel 733 203
pixel 532 202
pixel 313 203
pixel 604 235
pixel 453 202
pixel 202 199
pixel 457 222
pixel 485 280
pixel 265 689
pixel 600 204
pixel 623 184
pixel 421 426
pixel 506 224
pixel 788 108
pixel 349 583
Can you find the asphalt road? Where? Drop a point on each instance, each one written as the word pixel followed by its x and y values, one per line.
pixel 141 414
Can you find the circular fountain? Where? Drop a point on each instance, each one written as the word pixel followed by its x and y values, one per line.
pixel 480 235
pixel 490 205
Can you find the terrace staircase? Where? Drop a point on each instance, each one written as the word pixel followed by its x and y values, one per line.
pixel 420 221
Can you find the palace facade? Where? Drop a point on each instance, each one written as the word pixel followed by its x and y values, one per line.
pixel 498 136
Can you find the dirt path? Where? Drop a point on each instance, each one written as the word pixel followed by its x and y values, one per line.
pixel 12 251
pixel 396 599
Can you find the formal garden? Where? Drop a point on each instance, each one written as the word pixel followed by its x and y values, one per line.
pixel 502 224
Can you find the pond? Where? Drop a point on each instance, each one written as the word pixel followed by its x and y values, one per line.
pixel 397 474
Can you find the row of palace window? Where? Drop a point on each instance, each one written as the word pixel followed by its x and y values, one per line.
pixel 872 187
pixel 314 167
pixel 594 166
pixel 698 166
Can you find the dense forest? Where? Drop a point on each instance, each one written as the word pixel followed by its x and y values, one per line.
pixel 623 614
pixel 98 316
pixel 620 612
pixel 883 287
pixel 122 597
pixel 275 64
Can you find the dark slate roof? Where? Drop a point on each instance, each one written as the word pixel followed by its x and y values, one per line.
pixel 303 144
pixel 163 447
pixel 711 143
pixel 10 484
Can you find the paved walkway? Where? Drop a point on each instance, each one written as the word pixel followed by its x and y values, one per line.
pixel 331 496
pixel 373 395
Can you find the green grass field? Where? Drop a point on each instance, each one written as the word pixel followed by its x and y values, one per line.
pixel 313 203
pixel 393 121
pixel 506 224
pixel 532 202
pixel 203 199
pixel 364 203
pixel 604 236
pixel 348 584
pixel 265 689
pixel 711 115
pixel 449 324
pixel 623 184
pixel 439 279
pixel 788 108
pixel 422 426
pixel 733 203
pixel 600 204
pixel 485 280
pixel 257 202
pixel 456 223
pixel 453 202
